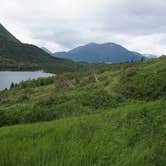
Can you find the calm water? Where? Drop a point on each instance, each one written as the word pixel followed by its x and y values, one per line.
pixel 7 77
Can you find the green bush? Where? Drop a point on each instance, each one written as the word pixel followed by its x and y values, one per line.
pixel 143 84
pixel 100 99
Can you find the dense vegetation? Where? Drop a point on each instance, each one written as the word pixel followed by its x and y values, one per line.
pixel 144 81
pixel 114 115
pixel 132 135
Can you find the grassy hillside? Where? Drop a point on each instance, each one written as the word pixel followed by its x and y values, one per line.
pixel 115 115
pixel 131 135
pixel 77 93
pixel 146 81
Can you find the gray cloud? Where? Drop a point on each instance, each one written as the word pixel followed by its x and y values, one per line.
pixel 64 24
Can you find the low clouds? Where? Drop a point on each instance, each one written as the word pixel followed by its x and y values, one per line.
pixel 64 24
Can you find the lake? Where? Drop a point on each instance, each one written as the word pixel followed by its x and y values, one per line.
pixel 7 77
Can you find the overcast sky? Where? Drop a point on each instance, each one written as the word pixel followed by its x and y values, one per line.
pixel 64 24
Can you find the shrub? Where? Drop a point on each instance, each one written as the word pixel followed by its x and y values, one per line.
pixel 99 99
pixel 143 84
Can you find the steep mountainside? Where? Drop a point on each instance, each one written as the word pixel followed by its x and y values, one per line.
pixel 7 36
pixel 16 55
pixel 107 52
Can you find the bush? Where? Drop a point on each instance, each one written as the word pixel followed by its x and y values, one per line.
pixel 143 84
pixel 100 99
pixel 23 98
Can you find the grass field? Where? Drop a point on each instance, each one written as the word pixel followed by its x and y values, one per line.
pixel 130 135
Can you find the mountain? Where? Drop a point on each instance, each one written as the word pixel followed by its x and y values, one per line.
pixel 46 50
pixel 107 52
pixel 15 55
pixel 5 35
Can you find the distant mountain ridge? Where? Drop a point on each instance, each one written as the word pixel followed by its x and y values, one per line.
pixel 107 52
pixel 15 55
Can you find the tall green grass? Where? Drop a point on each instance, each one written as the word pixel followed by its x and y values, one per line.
pixel 131 135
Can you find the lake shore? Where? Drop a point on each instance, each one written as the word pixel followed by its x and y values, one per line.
pixel 9 77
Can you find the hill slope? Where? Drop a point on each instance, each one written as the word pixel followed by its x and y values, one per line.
pixel 78 93
pixel 16 55
pixel 98 120
pixel 108 52
pixel 6 35
pixel 132 135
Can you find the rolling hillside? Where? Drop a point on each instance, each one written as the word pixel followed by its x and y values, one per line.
pixel 107 52
pixel 115 115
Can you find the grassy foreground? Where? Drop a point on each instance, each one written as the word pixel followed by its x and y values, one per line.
pixel 130 135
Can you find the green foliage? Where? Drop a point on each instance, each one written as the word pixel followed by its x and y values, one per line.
pixel 73 80
pixel 145 83
pixel 79 93
pixel 100 100
pixel 56 107
pixel 131 135
pixel 115 115
pixel 36 82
